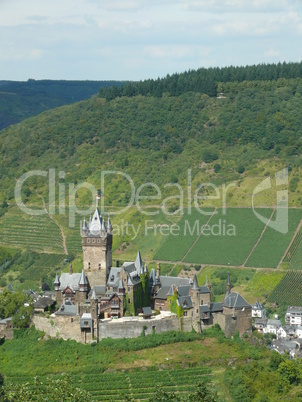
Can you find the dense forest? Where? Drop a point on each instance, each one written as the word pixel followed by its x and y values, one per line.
pixel 159 138
pixel 204 80
pixel 22 99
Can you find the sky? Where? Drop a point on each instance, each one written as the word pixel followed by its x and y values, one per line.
pixel 141 39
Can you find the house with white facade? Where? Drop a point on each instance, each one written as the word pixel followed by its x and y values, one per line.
pixel 272 327
pixel 293 315
pixel 258 310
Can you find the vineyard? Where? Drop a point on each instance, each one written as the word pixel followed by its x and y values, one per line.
pixel 139 385
pixel 230 239
pixel 273 244
pixel 289 290
pixel 294 254
pixel 37 233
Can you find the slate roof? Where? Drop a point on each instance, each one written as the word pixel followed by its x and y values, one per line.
pixel 162 293
pixel 83 279
pixel 215 307
pixel 183 290
pixel 5 320
pixel 139 264
pixel 147 311
pixel 67 309
pixel 43 302
pixel 69 280
pixel 99 291
pixel 171 280
pixel 274 323
pixel 195 283
pixel 204 289
pixel 235 300
pixel 257 306
pixel 96 224
pixel 204 309
pixel 294 309
pixel 113 279
pixel 185 301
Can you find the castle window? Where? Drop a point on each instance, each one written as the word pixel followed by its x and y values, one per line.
pixel 89 266
pixel 201 302
pixel 129 300
pixel 185 313
pixel 128 289
pixel 93 240
pixel 71 320
pixel 98 240
pixel 88 240
pixel 99 265
pixel 197 311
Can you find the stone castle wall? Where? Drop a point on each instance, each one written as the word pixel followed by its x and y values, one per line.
pixel 69 327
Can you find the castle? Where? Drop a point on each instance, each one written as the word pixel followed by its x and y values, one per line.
pixel 101 291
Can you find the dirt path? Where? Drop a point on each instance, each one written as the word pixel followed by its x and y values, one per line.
pixel 197 238
pixel 291 242
pixel 259 238
pixel 57 223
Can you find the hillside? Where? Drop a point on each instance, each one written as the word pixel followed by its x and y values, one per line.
pixel 243 137
pixel 20 100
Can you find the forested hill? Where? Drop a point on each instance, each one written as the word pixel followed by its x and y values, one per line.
pixel 22 99
pixel 157 138
pixel 204 80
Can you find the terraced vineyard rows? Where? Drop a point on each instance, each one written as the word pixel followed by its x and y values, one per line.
pixel 273 244
pixel 176 246
pixel 294 254
pixel 139 385
pixel 231 238
pixel 289 290
pixel 38 233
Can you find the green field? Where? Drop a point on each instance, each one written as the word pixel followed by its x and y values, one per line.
pixel 232 238
pixel 289 290
pixel 272 245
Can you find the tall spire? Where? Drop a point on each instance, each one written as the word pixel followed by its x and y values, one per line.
pixel 57 282
pixel 228 286
pixel 139 263
pixel 195 283
pixel 109 226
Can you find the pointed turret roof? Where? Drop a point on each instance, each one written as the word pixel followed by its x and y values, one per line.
pixel 195 285
pixel 57 281
pixel 93 295
pixel 84 226
pixel 145 269
pixel 109 226
pixel 83 280
pixel 228 281
pixel 171 291
pixel 139 263
pixel 95 225
pixel 121 285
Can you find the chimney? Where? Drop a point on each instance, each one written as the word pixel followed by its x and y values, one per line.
pixel 117 263
pixel 70 270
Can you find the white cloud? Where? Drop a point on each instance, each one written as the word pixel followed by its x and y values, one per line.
pixel 133 39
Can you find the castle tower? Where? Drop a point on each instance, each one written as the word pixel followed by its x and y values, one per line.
pixel 83 287
pixel 97 249
pixel 195 290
